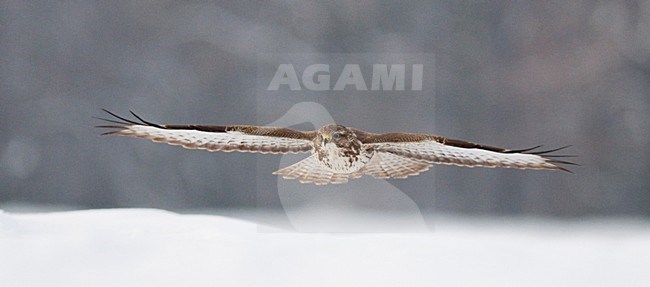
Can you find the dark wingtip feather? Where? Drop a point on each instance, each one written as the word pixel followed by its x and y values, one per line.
pixel 563 162
pixel 564 169
pixel 550 151
pixel 121 118
pixel 109 133
pixel 111 121
pixel 561 155
pixel 122 123
pixel 146 122
pixel 554 158
pixel 110 127
pixel 523 150
pixel 551 158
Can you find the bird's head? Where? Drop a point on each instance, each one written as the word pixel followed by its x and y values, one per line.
pixel 335 134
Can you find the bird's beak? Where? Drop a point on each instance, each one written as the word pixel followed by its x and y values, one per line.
pixel 327 138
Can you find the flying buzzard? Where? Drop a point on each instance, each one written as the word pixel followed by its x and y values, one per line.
pixel 338 153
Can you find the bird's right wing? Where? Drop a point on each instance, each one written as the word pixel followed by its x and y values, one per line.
pixel 258 139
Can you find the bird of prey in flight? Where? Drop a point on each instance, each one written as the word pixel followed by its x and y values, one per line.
pixel 339 153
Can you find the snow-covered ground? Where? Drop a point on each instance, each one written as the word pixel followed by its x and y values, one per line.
pixel 144 247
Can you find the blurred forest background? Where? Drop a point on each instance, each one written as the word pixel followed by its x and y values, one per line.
pixel 507 73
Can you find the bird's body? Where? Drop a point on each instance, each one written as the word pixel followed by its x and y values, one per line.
pixel 339 150
pixel 339 153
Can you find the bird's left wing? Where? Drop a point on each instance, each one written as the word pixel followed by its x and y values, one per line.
pixel 435 149
pixel 258 139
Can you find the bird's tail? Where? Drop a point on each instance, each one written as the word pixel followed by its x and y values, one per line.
pixel 309 170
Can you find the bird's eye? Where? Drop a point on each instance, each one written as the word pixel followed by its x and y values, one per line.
pixel 336 136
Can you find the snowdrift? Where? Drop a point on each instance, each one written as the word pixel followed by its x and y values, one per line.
pixel 143 247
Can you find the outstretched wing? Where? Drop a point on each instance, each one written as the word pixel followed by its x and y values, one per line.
pixel 214 138
pixel 439 150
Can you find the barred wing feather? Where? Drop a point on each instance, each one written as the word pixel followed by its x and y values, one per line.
pixel 435 152
pixel 215 138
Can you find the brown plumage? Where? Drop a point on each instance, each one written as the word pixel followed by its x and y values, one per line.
pixel 339 153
